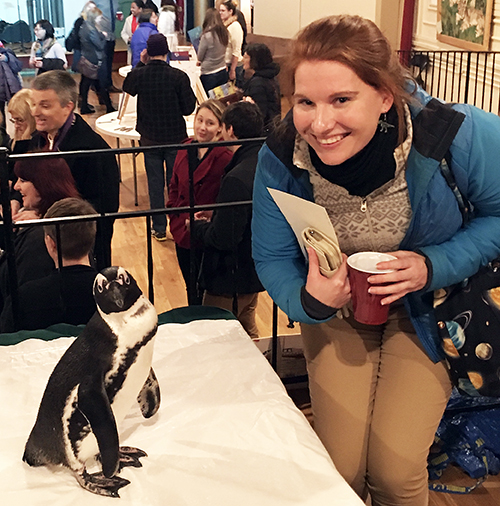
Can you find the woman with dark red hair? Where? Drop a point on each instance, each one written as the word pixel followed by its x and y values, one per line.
pixel 41 182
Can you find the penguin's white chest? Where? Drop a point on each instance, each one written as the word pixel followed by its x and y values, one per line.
pixel 136 376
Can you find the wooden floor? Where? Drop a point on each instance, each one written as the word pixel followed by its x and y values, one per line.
pixel 129 251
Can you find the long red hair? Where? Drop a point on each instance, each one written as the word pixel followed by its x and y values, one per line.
pixel 51 178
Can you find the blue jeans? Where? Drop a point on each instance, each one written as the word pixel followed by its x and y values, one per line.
pixel 211 81
pixel 155 162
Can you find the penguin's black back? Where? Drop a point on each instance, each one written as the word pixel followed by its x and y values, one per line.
pixel 90 354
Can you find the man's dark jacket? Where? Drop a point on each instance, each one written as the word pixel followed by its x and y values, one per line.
pixel 97 177
pixel 228 267
pixel 64 296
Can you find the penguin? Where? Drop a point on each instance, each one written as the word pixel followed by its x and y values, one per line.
pixel 95 383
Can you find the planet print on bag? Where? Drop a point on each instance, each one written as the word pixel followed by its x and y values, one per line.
pixel 494 296
pixel 452 344
pixel 484 351
pixel 476 379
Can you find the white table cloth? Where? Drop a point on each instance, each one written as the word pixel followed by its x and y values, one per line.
pixel 226 434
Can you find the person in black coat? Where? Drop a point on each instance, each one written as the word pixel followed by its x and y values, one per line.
pixel 228 275
pixel 41 183
pixel 59 128
pixel 262 87
pixel 65 295
pixel 93 64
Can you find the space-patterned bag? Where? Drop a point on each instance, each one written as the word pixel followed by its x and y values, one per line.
pixel 468 317
pixel 469 325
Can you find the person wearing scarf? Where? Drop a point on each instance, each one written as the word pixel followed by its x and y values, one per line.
pixel 46 52
pixel 131 24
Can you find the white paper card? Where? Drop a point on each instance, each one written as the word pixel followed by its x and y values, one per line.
pixel 301 213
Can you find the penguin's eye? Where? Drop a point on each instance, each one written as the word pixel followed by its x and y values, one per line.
pixel 127 280
pixel 100 283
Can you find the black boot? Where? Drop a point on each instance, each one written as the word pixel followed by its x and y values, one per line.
pixel 86 109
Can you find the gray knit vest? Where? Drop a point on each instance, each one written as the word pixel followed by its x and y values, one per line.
pixel 377 222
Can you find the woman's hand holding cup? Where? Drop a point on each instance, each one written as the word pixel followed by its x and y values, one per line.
pixel 409 275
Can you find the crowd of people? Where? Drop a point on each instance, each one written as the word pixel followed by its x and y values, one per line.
pixel 356 142
pixel 47 117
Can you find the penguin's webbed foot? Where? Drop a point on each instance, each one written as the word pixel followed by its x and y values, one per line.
pixel 129 456
pixel 98 484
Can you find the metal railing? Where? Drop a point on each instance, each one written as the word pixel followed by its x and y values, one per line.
pixel 8 229
pixel 467 77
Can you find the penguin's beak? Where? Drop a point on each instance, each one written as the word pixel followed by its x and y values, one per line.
pixel 116 296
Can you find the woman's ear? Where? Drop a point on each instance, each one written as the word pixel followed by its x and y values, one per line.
pixel 387 101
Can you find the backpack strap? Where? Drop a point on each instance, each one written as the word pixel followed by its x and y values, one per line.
pixel 464 205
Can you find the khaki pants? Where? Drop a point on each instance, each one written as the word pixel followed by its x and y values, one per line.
pixel 247 304
pixel 377 400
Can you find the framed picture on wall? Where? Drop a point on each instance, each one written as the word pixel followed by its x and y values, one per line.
pixel 465 23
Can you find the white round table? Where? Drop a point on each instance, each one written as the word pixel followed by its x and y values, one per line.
pixel 123 71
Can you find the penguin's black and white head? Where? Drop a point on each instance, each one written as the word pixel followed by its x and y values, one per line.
pixel 115 290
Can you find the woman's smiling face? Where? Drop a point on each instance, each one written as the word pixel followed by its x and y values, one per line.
pixel 206 126
pixel 334 110
pixel 135 10
pixel 40 32
pixel 31 197
pixel 224 12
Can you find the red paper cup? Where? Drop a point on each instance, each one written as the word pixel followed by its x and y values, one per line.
pixel 119 16
pixel 367 306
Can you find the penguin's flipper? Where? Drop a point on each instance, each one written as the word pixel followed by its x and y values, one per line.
pixel 129 456
pixel 93 402
pixel 101 485
pixel 149 396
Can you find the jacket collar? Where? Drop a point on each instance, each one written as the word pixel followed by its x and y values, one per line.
pixel 53 144
pixel 435 127
pixel 146 24
pixel 241 154
pixel 157 62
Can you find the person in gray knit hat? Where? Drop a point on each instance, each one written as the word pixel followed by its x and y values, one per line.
pixel 164 96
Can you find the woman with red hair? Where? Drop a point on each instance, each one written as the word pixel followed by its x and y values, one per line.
pixel 41 182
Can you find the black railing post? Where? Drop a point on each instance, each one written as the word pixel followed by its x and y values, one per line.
pixel 193 163
pixel 467 77
pixel 151 290
pixel 8 233
pixel 275 338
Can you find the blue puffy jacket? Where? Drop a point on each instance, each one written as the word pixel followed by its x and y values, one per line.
pixel 472 138
pixel 139 40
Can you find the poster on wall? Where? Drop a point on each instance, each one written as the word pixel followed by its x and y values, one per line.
pixel 465 23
